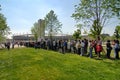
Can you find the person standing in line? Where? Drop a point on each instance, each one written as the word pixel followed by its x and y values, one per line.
pixel 108 48
pixel 8 45
pixel 86 46
pixel 82 47
pixel 99 41
pixel 91 45
pixel 13 44
pixel 5 44
pixel 78 46
pixel 113 46
pixel 18 43
pixel 35 45
pixel 74 46
pixel 69 46
pixel 54 45
pixel 95 44
pixel 98 49
pixel 63 46
pixel 117 47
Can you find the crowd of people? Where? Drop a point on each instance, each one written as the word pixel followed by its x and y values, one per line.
pixel 12 44
pixel 80 47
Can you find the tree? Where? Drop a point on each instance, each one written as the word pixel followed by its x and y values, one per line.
pixel 4 28
pixel 117 32
pixel 116 7
pixel 34 31
pixel 41 28
pixel 94 30
pixel 38 30
pixel 118 28
pixel 53 26
pixel 95 13
pixel 77 34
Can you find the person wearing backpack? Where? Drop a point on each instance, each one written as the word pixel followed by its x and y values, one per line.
pixel 117 47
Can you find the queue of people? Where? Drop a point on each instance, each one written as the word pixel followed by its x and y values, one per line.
pixel 81 47
pixel 9 45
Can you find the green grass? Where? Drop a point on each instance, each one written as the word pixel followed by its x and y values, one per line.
pixel 31 64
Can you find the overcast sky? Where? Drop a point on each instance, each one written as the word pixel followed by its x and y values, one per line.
pixel 22 14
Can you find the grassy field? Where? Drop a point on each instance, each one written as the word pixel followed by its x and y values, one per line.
pixel 31 64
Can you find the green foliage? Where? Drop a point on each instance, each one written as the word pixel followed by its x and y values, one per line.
pixel 95 31
pixel 41 24
pixel 4 29
pixel 89 11
pixel 35 31
pixel 38 30
pixel 31 64
pixel 77 34
pixel 115 7
pixel 53 26
pixel 117 32
pixel 118 28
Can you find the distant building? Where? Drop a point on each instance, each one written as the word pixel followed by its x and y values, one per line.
pixel 23 38
pixel 30 37
pixel 106 35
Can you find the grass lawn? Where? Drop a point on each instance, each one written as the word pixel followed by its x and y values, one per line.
pixel 31 64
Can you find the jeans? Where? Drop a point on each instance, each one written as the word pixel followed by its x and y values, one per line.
pixel 116 53
pixel 82 51
pixel 90 52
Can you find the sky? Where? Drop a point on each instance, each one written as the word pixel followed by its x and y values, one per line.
pixel 22 14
